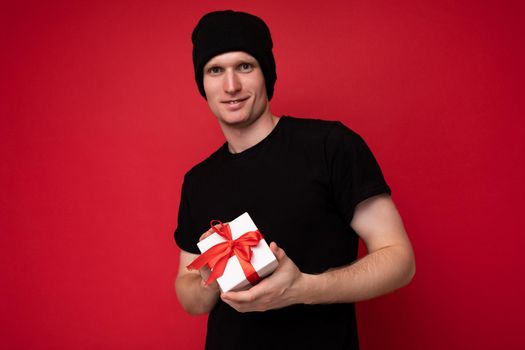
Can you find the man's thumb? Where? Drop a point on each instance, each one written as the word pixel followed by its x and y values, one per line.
pixel 278 252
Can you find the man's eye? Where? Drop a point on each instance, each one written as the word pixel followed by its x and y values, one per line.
pixel 245 67
pixel 214 70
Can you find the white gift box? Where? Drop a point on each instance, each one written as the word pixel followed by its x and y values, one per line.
pixel 263 260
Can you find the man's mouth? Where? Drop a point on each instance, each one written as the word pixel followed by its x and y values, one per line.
pixel 233 102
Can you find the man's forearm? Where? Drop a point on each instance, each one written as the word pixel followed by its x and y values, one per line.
pixel 375 274
pixel 195 298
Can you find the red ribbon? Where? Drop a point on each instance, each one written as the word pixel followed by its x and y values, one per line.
pixel 217 256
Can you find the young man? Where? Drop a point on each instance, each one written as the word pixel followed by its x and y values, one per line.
pixel 312 187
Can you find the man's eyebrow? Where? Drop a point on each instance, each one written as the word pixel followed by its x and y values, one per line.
pixel 211 64
pixel 237 62
pixel 248 60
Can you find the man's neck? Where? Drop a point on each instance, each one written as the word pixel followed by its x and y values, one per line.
pixel 243 137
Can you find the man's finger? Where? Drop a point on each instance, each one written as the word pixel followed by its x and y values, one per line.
pixel 206 234
pixel 278 252
pixel 237 297
pixel 232 304
pixel 246 296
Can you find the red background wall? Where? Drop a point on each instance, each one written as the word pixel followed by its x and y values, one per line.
pixel 100 119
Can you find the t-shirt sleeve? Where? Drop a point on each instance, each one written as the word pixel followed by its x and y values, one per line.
pixel 184 233
pixel 354 172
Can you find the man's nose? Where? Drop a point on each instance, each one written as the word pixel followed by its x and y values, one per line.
pixel 232 84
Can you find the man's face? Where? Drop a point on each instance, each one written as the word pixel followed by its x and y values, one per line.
pixel 235 88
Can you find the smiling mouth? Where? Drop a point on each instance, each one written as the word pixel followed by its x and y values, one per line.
pixel 233 102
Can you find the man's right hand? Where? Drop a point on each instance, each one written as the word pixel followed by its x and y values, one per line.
pixel 205 270
pixel 195 296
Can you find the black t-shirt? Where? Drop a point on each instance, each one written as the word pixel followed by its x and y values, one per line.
pixel 300 185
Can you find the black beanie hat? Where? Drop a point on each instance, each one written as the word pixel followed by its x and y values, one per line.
pixel 224 31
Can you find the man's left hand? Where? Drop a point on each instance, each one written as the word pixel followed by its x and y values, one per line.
pixel 280 289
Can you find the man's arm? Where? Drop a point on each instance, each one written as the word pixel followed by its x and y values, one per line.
pixel 388 265
pixel 194 295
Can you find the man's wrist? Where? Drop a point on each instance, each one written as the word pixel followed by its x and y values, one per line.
pixel 308 288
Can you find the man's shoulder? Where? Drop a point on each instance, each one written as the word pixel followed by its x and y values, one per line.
pixel 318 128
pixel 204 167
pixel 311 123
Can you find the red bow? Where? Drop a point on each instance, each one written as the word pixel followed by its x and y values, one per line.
pixel 217 256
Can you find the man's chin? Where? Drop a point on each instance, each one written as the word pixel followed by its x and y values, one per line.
pixel 236 121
